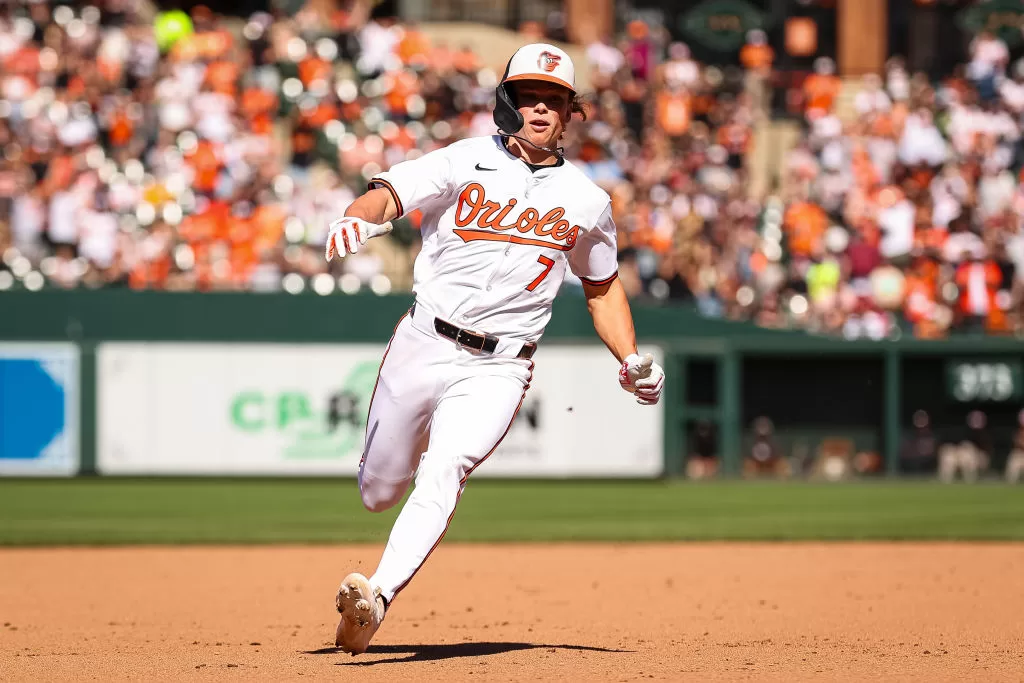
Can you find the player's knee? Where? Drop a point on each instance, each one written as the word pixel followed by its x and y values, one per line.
pixel 441 472
pixel 375 502
pixel 374 505
pixel 378 496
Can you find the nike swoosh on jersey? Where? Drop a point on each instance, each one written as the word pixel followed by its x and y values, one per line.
pixel 481 168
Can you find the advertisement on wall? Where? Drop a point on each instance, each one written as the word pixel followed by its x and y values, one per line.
pixel 279 409
pixel 38 409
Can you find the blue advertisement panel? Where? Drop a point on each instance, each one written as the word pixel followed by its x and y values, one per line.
pixel 39 409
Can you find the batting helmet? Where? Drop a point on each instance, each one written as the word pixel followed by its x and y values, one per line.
pixel 534 62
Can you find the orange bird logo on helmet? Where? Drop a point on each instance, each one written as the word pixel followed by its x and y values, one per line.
pixel 547 61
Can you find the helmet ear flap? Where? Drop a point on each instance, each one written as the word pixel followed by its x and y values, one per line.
pixel 506 116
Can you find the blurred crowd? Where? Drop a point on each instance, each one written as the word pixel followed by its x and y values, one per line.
pixel 905 216
pixel 199 152
pixel 897 210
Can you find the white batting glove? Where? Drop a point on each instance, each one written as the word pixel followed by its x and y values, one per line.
pixel 643 378
pixel 346 234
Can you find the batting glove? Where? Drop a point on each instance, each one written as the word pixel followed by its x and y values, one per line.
pixel 346 234
pixel 643 378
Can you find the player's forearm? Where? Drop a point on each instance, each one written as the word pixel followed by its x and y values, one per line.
pixel 613 320
pixel 376 206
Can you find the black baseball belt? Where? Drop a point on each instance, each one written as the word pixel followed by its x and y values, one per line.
pixel 474 340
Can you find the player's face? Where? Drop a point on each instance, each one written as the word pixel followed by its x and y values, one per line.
pixel 546 110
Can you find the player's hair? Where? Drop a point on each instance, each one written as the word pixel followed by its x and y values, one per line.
pixel 578 106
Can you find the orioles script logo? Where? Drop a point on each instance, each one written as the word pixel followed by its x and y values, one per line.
pixel 548 61
pixel 473 206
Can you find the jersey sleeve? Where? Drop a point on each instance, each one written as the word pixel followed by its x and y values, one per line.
pixel 594 259
pixel 416 183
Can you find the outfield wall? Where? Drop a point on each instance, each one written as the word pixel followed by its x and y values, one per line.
pixel 300 409
pixel 121 382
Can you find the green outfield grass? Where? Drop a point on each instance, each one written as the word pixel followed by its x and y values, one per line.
pixel 155 511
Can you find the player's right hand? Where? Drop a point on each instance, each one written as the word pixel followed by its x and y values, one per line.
pixel 346 234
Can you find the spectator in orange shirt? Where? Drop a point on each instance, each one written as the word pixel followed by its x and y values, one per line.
pixel 404 84
pixel 805 223
pixel 313 68
pixel 673 113
pixel 259 106
pixel 222 77
pixel 414 49
pixel 757 55
pixel 206 163
pixel 465 60
pixel 978 279
pixel 821 88
pixel 921 290
pixel 442 58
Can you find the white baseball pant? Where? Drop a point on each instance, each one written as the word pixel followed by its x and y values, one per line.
pixel 437 412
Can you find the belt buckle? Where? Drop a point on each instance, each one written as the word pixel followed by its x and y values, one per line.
pixel 467 339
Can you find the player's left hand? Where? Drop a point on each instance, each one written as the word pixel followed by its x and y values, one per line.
pixel 643 378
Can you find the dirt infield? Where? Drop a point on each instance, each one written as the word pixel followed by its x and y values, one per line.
pixel 520 612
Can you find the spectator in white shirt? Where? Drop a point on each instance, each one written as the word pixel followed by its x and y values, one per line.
pixel 998 123
pixel 949 192
pixel 824 128
pixel 212 112
pixel 989 57
pixel 883 153
pixel 964 124
pixel 98 229
pixel 64 209
pixel 996 189
pixel 962 242
pixel 921 142
pixel 1015 253
pixel 377 41
pixel 897 81
pixel 28 217
pixel 1012 90
pixel 605 57
pixel 680 70
pixel 872 99
pixel 896 220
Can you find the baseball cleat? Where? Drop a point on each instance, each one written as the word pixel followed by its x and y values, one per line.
pixel 362 610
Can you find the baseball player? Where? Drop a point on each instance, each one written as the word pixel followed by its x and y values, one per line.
pixel 504 216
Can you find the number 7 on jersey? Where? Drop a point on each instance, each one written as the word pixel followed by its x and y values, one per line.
pixel 548 265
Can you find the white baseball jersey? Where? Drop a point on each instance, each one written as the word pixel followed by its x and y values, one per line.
pixel 498 234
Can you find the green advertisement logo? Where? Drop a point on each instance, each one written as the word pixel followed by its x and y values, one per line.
pixel 722 24
pixel 1004 18
pixel 315 426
